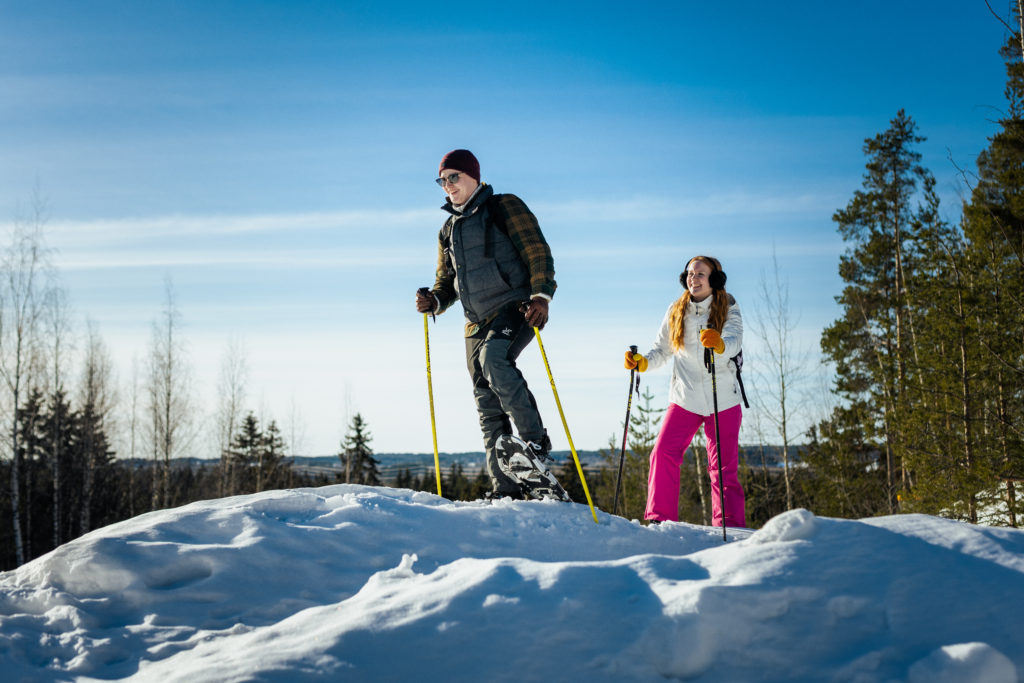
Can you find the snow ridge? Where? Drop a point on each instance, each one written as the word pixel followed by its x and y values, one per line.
pixel 372 583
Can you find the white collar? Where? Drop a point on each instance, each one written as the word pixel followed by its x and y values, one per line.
pixel 462 207
pixel 701 307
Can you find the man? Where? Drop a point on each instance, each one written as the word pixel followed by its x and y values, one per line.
pixel 492 256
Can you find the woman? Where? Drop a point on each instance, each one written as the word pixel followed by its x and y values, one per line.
pixel 704 317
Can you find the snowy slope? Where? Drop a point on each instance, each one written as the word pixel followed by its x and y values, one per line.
pixel 360 583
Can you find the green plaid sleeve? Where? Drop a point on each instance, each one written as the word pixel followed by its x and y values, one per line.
pixel 524 231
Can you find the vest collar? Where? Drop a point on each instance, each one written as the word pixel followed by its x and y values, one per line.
pixel 480 195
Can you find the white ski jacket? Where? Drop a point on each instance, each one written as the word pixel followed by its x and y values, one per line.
pixel 690 387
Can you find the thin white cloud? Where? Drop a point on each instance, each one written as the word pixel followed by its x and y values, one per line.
pixel 720 204
pixel 368 236
pixel 70 233
pixel 90 233
pixel 298 258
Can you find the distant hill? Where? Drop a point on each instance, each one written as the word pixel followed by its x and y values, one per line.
pixel 472 461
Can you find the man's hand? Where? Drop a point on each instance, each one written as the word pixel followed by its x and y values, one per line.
pixel 426 302
pixel 537 312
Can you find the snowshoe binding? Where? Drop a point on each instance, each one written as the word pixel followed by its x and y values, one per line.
pixel 522 464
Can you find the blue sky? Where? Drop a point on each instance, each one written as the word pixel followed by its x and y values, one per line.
pixel 275 161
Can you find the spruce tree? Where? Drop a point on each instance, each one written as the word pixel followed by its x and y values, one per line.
pixel 94 458
pixel 58 444
pixel 644 421
pixel 271 468
pixel 872 342
pixel 244 455
pixel 357 459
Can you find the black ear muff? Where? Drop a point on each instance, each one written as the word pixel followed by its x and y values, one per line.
pixel 717 279
pixel 682 275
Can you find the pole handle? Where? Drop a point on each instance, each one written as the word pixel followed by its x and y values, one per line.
pixel 425 291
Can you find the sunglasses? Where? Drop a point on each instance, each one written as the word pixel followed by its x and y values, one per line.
pixel 448 180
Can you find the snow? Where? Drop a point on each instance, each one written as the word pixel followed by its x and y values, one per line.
pixel 367 584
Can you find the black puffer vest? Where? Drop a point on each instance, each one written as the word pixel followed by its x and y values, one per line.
pixel 489 272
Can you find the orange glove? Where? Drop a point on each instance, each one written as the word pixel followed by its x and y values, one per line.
pixel 713 340
pixel 635 361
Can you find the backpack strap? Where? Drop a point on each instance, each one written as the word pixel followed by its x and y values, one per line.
pixel 497 220
pixel 737 361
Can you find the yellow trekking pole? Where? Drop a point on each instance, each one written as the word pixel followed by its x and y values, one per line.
pixel 430 393
pixel 579 468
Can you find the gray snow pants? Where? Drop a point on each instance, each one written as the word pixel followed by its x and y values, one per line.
pixel 500 390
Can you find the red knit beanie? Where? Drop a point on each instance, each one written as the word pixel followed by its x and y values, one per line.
pixel 461 160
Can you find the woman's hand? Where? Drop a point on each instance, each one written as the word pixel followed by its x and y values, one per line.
pixel 711 339
pixel 635 361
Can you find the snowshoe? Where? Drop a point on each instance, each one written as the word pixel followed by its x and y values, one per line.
pixel 520 463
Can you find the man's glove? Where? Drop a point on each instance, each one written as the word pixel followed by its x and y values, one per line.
pixel 635 361
pixel 536 312
pixel 711 339
pixel 426 302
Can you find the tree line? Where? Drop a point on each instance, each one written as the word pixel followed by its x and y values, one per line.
pixel 929 350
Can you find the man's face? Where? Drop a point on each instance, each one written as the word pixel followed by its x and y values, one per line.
pixel 458 186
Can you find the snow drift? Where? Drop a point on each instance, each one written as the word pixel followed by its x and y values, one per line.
pixel 362 583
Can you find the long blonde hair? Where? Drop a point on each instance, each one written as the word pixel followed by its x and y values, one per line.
pixel 719 304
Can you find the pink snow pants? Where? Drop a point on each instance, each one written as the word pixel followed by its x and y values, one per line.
pixel 677 431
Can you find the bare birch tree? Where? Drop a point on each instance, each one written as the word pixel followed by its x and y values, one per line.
pixel 296 429
pixel 170 404
pixel 57 325
pixel 780 378
pixel 133 435
pixel 231 388
pixel 24 271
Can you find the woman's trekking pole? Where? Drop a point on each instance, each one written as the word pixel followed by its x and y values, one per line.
pixel 709 360
pixel 430 393
pixel 625 432
pixel 579 468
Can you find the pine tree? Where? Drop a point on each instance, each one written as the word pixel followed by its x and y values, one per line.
pixel 456 486
pixel 871 343
pixel 59 444
pixel 244 455
pixel 994 229
pixel 404 479
pixel 945 460
pixel 271 469
pixel 93 457
pixel 35 473
pixel 644 423
pixel 569 478
pixel 481 484
pixel 847 479
pixel 357 457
